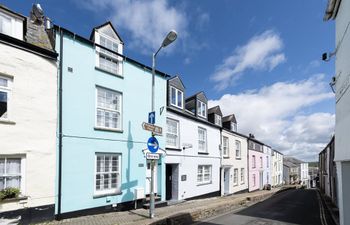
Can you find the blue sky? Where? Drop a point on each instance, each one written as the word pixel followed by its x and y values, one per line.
pixel 257 59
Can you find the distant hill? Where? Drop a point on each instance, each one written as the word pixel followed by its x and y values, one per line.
pixel 313 164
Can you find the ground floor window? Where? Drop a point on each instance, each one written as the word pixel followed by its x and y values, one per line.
pixel 11 172
pixel 235 176
pixel 204 174
pixel 107 176
pixel 242 175
pixel 254 181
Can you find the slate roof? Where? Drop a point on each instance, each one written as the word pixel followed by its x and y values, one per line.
pixel 292 160
pixel 229 118
pixel 216 110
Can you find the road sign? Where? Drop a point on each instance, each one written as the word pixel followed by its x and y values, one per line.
pixel 152 117
pixel 153 128
pixel 152 156
pixel 152 144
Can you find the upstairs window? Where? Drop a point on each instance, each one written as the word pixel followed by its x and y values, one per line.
pixel 218 120
pixel 235 176
pixel 108 109
pixel 172 134
pixel 201 109
pixel 5 97
pixel 253 161
pixel 202 140
pixel 238 149
pixel 261 162
pixel 225 146
pixel 176 97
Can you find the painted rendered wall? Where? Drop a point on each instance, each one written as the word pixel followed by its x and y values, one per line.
pixel 81 141
pixel 32 131
pixel 277 169
pixel 189 159
pixel 259 168
pixel 267 165
pixel 342 141
pixel 235 163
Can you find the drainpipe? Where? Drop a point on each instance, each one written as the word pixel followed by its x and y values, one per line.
pixel 59 202
pixel 221 155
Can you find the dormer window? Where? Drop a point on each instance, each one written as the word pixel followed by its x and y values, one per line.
pixel 176 97
pixel 11 25
pixel 107 58
pixel 218 120
pixel 201 109
pixel 233 126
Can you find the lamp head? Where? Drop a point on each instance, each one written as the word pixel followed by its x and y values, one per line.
pixel 170 38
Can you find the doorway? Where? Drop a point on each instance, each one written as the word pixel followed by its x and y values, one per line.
pixel 226 181
pixel 261 179
pixel 172 180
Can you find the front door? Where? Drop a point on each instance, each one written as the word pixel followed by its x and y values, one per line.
pixel 169 177
pixel 148 178
pixel 226 181
pixel 261 175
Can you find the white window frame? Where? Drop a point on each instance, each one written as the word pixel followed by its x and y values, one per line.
pixel 177 92
pixel 16 25
pixel 235 176
pixel 253 161
pixel 262 162
pixel 109 55
pixel 205 140
pixel 242 175
pixel 22 173
pixel 218 120
pixel 8 91
pixel 238 149
pixel 225 146
pixel 200 172
pixel 177 134
pixel 267 161
pixel 200 106
pixel 120 111
pixel 234 126
pixel 116 190
pixel 254 180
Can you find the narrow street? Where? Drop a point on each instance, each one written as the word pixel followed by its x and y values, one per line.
pixel 290 207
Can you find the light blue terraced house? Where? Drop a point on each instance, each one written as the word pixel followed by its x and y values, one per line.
pixel 104 97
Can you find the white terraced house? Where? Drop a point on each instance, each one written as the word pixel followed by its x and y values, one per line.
pixel 192 146
pixel 234 169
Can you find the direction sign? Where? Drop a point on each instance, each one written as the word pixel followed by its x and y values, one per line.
pixel 152 144
pixel 153 128
pixel 152 117
pixel 152 156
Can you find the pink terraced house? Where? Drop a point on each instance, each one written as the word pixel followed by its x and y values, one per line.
pixel 256 162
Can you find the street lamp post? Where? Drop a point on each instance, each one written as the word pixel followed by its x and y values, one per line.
pixel 171 37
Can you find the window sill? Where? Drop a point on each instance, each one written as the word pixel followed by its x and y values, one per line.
pixel 203 153
pixel 107 194
pixel 7 200
pixel 108 72
pixel 8 122
pixel 173 149
pixel 108 129
pixel 238 158
pixel 235 185
pixel 202 184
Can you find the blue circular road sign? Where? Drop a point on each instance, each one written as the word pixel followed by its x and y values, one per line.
pixel 152 144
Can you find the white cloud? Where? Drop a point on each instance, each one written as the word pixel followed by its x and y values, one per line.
pixel 262 52
pixel 148 22
pixel 274 114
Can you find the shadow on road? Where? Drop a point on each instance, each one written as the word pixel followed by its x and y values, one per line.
pixel 294 206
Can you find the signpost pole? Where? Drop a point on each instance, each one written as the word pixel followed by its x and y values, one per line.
pixel 151 207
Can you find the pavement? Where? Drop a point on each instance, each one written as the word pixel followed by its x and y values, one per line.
pixel 183 213
pixel 298 206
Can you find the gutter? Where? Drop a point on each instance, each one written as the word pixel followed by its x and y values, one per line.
pixel 60 135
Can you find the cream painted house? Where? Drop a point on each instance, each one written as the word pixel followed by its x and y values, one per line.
pixel 277 168
pixel 234 166
pixel 28 117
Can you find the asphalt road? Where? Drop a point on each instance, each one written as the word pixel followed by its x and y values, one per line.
pixel 300 206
